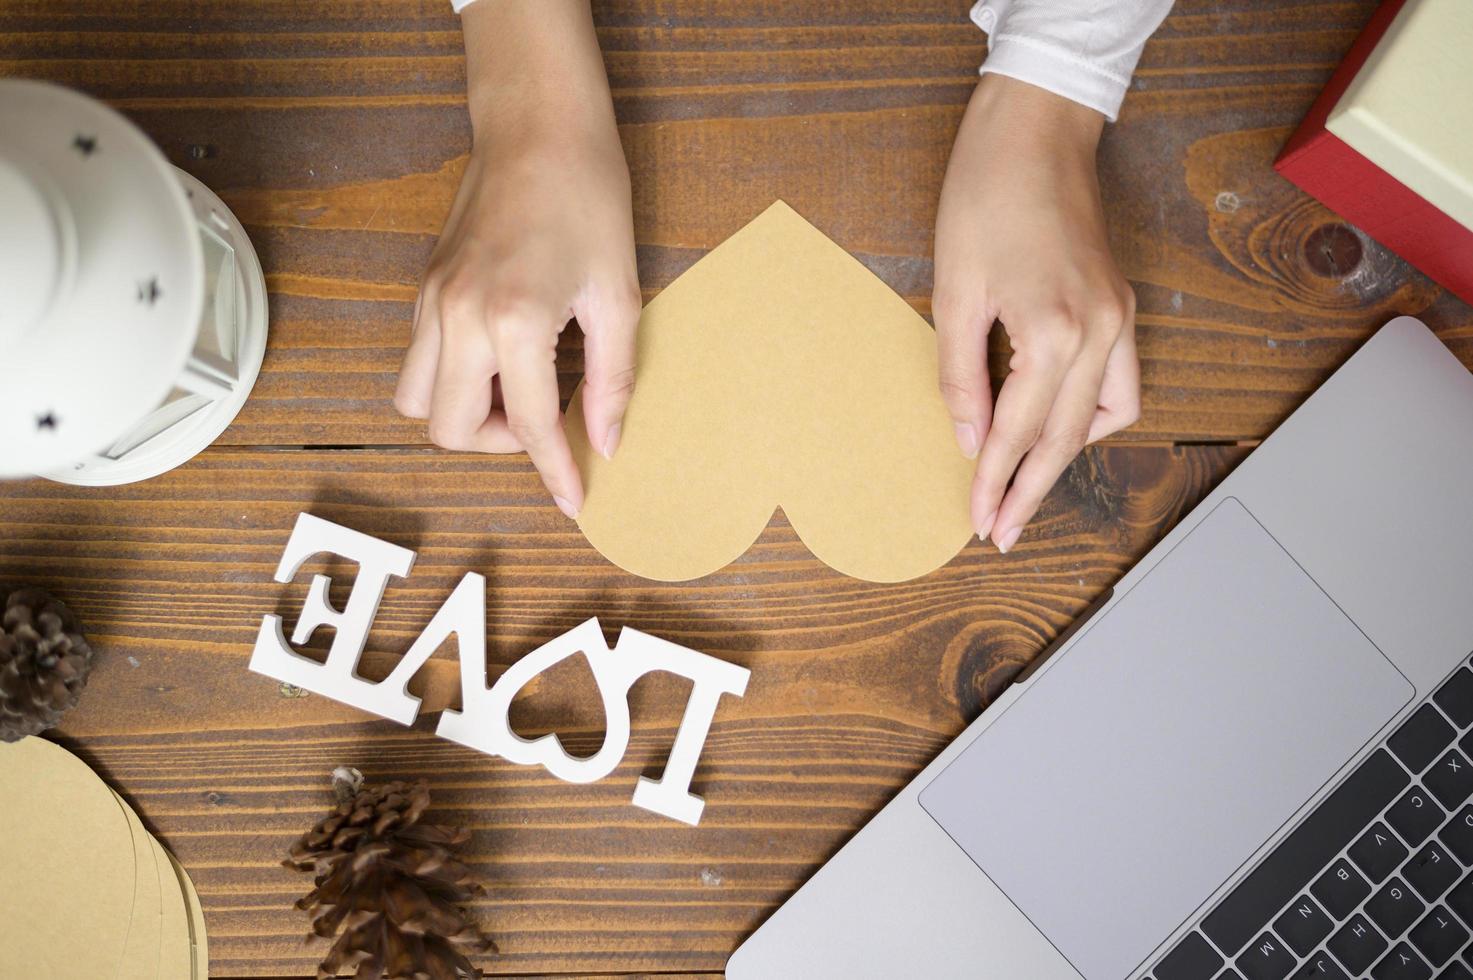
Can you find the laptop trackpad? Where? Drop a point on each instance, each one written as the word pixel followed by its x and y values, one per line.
pixel 1178 733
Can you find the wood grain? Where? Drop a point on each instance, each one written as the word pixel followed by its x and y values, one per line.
pixel 855 686
pixel 336 130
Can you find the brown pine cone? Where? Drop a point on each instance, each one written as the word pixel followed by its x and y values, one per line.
pixel 44 662
pixel 392 885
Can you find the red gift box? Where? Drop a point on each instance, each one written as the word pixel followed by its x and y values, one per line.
pixel 1344 179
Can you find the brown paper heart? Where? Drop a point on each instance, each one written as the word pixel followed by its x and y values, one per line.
pixel 779 372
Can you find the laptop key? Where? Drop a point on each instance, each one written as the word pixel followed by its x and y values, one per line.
pixel 1303 925
pixel 1415 816
pixel 1394 908
pixel 1421 738
pixel 1191 959
pixel 1455 698
pixel 1458 835
pixel 1342 815
pixel 1456 971
pixel 1357 944
pixel 1229 974
pixel 1340 889
pixel 1378 853
pixel 1266 959
pixel 1439 936
pixel 1320 967
pixel 1460 900
pixel 1451 779
pixel 1402 963
pixel 1431 871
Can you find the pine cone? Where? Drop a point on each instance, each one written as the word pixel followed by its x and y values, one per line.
pixel 44 662
pixel 392 885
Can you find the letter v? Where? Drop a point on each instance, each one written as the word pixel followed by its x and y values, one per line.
pixel 463 614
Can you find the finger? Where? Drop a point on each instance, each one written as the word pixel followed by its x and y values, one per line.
pixel 961 349
pixel 461 411
pixel 1120 391
pixel 417 371
pixel 461 415
pixel 610 322
pixel 1064 435
pixel 527 353
pixel 1023 406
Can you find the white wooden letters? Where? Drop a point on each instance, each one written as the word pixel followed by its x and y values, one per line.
pixel 483 721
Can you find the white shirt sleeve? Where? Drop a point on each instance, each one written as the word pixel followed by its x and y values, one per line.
pixel 1084 50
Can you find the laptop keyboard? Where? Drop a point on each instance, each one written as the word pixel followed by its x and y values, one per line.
pixel 1376 882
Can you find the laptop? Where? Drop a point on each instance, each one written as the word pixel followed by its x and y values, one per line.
pixel 1251 760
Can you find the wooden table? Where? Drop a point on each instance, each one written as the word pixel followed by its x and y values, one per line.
pixel 336 131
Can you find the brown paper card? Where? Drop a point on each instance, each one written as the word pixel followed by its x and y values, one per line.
pixel 200 949
pixel 68 857
pixel 779 372
pixel 141 951
pixel 176 951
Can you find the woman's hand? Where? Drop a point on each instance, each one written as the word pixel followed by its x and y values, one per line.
pixel 541 231
pixel 1020 238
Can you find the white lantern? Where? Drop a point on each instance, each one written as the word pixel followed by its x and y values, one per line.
pixel 132 305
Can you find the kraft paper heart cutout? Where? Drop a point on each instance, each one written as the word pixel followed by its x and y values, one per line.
pixel 779 372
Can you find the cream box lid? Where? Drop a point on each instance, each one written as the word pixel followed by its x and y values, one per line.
pixel 1410 108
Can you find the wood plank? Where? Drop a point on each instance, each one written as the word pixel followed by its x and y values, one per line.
pixel 336 130
pixel 855 686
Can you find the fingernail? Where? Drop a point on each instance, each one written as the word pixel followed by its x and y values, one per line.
pixel 565 506
pixel 611 441
pixel 1007 539
pixel 966 438
pixel 986 527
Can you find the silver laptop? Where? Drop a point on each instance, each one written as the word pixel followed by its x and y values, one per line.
pixel 1253 759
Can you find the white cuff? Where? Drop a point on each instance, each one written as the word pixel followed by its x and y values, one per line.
pixel 1041 63
pixel 1086 56
pixel 459 5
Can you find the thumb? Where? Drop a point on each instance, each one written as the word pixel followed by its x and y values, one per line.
pixel 610 322
pixel 961 349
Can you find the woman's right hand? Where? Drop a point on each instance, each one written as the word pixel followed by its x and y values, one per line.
pixel 1021 239
pixel 541 231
